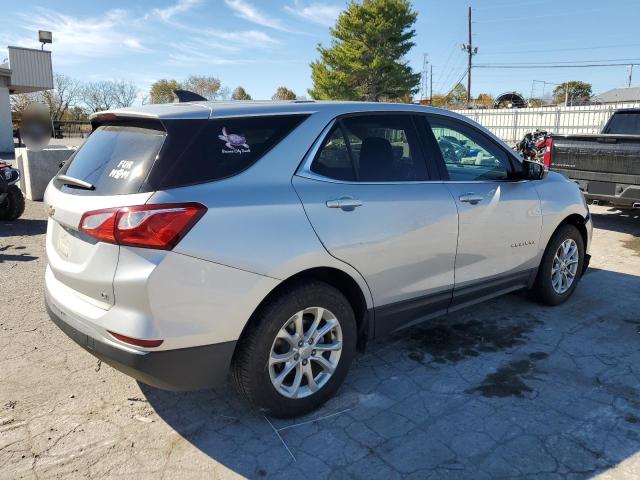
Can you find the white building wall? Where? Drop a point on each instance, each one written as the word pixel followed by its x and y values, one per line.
pixel 6 131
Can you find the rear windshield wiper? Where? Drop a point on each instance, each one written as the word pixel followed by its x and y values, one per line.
pixel 75 182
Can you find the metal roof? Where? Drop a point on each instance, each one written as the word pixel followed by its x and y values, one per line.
pixel 629 94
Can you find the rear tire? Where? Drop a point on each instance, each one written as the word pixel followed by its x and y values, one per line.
pixel 258 367
pixel 561 268
pixel 13 205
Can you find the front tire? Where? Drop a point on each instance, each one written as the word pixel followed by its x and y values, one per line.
pixel 296 352
pixel 13 205
pixel 561 266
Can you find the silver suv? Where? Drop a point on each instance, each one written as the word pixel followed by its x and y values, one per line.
pixel 270 241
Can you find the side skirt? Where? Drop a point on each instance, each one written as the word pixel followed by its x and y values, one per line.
pixel 406 313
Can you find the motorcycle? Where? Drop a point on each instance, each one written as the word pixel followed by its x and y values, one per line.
pixel 11 198
pixel 534 145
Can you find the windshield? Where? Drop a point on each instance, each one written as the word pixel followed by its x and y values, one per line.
pixel 115 159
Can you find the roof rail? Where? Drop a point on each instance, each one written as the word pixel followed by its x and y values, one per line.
pixel 187 96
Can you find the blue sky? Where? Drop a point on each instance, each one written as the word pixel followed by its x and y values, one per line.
pixel 262 44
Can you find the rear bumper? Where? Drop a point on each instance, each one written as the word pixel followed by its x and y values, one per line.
pixel 627 201
pixel 179 369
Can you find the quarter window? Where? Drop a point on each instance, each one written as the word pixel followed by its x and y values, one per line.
pixel 372 148
pixel 467 154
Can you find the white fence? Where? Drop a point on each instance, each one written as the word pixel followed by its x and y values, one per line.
pixel 511 124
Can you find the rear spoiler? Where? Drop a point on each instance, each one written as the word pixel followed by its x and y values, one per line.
pixel 187 96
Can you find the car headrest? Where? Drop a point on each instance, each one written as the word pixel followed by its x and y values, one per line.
pixel 376 160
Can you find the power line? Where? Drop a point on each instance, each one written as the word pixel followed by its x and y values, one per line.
pixel 518 52
pixel 567 62
pixel 589 65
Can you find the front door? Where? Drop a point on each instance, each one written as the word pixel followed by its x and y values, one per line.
pixel 499 214
pixel 368 196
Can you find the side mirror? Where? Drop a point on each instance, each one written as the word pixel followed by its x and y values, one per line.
pixel 533 170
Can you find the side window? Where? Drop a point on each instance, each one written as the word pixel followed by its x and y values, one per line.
pixel 333 161
pixel 467 154
pixel 372 148
pixel 385 148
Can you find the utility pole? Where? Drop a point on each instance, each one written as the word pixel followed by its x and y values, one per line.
pixel 630 67
pixel 471 51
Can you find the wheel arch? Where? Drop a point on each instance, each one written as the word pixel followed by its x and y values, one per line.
pixel 337 278
pixel 577 221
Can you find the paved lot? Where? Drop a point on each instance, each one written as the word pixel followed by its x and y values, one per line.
pixel 510 389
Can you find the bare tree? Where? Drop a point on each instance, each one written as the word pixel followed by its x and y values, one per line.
pixel 65 93
pixel 98 96
pixel 107 94
pixel 124 93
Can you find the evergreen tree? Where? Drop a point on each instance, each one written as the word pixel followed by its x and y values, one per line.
pixel 366 60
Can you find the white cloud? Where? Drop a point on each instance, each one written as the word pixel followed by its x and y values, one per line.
pixel 192 54
pixel 320 13
pixel 75 39
pixel 249 12
pixel 180 7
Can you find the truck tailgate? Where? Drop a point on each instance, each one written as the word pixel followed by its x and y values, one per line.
pixel 608 154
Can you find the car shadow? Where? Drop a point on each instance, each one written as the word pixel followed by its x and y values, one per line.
pixel 507 388
pixel 621 221
pixel 22 226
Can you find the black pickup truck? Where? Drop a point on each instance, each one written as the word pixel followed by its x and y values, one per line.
pixel 605 166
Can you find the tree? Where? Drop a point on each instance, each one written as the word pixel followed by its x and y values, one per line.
pixel 65 93
pixel 207 87
pixel 240 94
pixel 577 92
pixel 283 93
pixel 366 60
pixel 124 93
pixel 485 100
pixel 162 91
pixel 107 94
pixel 458 96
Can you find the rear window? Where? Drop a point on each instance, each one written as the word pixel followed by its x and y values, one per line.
pixel 115 159
pixel 223 148
pixel 624 124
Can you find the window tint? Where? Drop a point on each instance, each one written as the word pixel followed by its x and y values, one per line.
pixel 624 123
pixel 467 154
pixel 377 148
pixel 115 159
pixel 333 161
pixel 226 147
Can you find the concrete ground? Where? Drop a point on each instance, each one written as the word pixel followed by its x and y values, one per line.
pixel 509 389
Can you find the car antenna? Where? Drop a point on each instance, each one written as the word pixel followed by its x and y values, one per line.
pixel 187 96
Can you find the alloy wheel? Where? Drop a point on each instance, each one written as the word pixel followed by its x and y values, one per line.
pixel 305 352
pixel 565 266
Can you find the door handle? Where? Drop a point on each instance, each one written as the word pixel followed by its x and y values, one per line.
pixel 471 198
pixel 345 203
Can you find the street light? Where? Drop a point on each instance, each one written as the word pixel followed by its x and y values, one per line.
pixel 44 36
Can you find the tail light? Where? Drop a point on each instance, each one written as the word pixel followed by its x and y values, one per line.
pixel 546 158
pixel 159 226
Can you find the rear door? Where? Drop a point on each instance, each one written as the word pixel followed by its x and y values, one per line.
pixel 115 160
pixel 367 192
pixel 499 213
